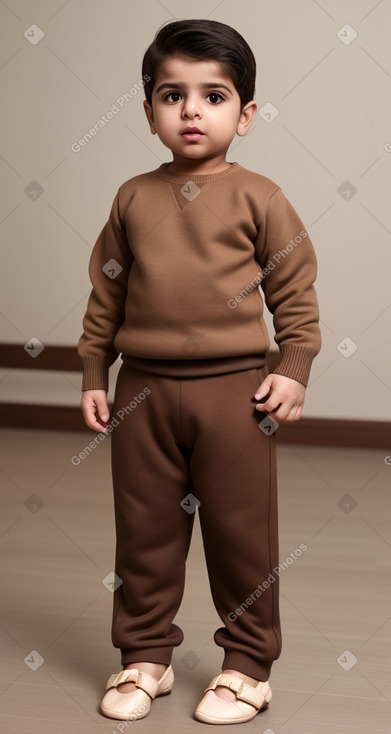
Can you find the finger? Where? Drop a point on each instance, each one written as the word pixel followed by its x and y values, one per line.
pixel 293 415
pixel 96 426
pixel 91 420
pixel 100 425
pixel 102 407
pixel 281 414
pixel 263 389
pixel 298 413
pixel 268 407
pixel 261 406
pixel 91 416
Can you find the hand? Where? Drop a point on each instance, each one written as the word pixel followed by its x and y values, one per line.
pixel 95 409
pixel 285 401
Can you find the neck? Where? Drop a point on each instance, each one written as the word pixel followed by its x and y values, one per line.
pixel 198 167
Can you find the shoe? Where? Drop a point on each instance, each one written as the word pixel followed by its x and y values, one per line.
pixel 249 701
pixel 136 704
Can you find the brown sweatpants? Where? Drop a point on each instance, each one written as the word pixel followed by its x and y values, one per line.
pixel 197 436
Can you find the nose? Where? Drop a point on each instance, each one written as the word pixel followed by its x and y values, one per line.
pixel 191 108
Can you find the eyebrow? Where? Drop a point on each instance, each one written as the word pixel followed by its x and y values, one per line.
pixel 182 85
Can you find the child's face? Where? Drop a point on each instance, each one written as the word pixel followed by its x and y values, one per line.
pixel 191 93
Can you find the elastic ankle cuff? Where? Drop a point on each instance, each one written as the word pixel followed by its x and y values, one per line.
pixel 161 655
pixel 258 669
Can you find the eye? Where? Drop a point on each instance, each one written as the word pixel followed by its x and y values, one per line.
pixel 172 94
pixel 215 97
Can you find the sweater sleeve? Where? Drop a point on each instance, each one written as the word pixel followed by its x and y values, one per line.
pixel 287 257
pixel 109 268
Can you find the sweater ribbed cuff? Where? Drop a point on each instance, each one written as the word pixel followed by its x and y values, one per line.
pixel 295 362
pixel 95 373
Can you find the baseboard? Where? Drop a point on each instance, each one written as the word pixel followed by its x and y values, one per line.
pixel 311 431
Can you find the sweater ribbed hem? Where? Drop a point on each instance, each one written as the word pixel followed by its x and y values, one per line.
pixel 196 367
pixel 95 373
pixel 295 362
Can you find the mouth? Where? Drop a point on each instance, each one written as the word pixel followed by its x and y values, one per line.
pixel 192 133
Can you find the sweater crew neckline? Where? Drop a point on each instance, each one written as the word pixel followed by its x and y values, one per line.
pixel 167 175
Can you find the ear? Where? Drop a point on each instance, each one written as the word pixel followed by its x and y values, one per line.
pixel 149 113
pixel 246 118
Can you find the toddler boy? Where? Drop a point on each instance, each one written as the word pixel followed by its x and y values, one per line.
pixel 176 272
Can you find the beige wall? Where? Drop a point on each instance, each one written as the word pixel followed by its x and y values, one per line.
pixel 333 126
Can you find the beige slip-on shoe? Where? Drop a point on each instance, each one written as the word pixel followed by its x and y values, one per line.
pixel 249 701
pixel 136 704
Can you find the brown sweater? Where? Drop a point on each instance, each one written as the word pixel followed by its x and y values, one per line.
pixel 175 274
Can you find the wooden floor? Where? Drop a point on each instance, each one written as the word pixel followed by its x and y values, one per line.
pixel 57 545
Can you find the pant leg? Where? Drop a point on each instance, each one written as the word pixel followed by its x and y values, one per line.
pixel 233 466
pixel 150 478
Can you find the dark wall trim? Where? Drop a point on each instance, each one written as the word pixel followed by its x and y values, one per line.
pixel 15 356
pixel 64 359
pixel 312 431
